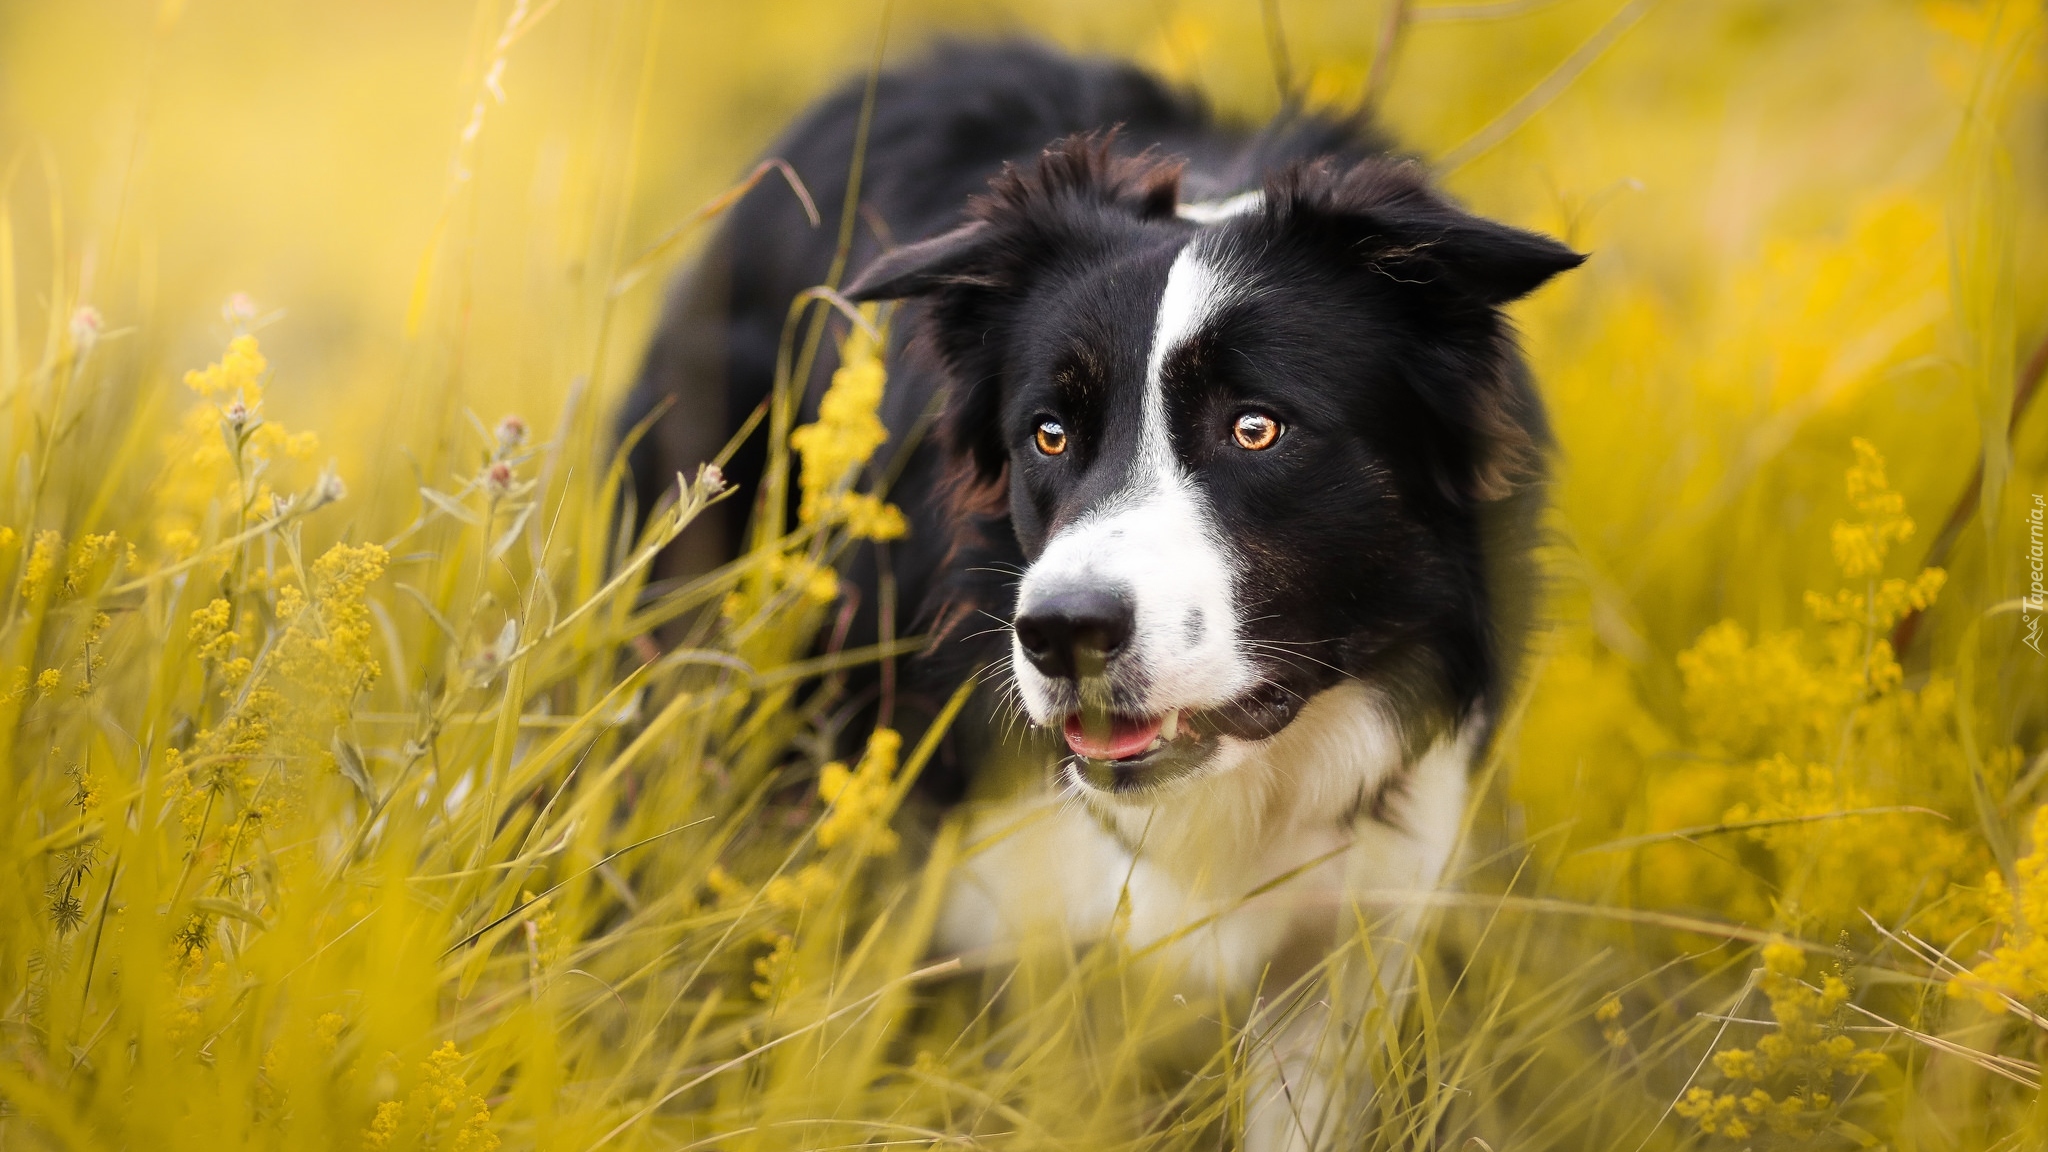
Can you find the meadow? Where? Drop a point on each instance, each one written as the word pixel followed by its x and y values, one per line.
pixel 350 808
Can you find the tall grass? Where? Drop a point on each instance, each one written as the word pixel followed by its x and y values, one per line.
pixel 352 808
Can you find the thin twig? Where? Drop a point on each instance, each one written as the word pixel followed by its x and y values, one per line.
pixel 1547 89
pixel 1747 825
pixel 1276 52
pixel 1381 71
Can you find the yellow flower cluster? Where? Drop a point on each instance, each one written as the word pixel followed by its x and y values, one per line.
pixel 328 648
pixel 860 797
pixel 217 640
pixel 1608 1014
pixel 1798 1056
pixel 224 446
pixel 239 373
pixel 2017 968
pixel 1860 546
pixel 42 560
pixel 246 771
pixel 846 435
pixel 815 585
pixel 776 970
pixel 440 1111
pixel 809 885
pixel 1823 740
pixel 92 552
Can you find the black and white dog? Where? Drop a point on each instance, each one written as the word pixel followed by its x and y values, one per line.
pixel 1235 436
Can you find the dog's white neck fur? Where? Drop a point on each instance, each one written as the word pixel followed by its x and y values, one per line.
pixel 1300 800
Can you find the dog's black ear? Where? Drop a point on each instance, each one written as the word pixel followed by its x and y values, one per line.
pixel 1491 262
pixel 1028 212
pixel 1387 211
pixel 1383 220
pixel 945 260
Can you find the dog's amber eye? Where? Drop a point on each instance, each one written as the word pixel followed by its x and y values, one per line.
pixel 1255 431
pixel 1051 438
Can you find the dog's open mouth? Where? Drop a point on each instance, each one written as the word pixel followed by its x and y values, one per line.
pixel 1134 753
pixel 1123 753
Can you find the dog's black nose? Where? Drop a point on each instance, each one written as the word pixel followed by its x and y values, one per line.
pixel 1069 632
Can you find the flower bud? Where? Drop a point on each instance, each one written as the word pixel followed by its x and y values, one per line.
pixel 86 324
pixel 511 434
pixel 497 480
pixel 238 310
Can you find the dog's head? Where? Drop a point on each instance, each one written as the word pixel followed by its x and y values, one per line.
pixel 1244 454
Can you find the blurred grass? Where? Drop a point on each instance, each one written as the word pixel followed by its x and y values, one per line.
pixel 362 823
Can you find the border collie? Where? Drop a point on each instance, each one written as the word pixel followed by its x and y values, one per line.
pixel 1234 438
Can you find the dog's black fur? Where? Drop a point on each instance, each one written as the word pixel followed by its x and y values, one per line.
pixel 1024 202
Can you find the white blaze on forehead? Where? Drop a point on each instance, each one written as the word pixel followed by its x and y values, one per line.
pixel 1217 211
pixel 1155 542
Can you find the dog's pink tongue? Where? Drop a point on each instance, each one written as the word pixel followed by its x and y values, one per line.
pixel 1126 738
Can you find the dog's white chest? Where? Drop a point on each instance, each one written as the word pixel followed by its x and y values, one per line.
pixel 1249 869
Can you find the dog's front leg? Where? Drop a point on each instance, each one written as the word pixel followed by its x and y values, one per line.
pixel 1288 1078
pixel 1308 1080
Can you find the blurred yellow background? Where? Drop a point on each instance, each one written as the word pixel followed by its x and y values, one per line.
pixel 1810 221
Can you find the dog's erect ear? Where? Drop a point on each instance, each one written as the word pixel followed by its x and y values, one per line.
pixel 1383 222
pixel 1388 212
pixel 1492 262
pixel 920 269
pixel 1033 219
pixel 1027 212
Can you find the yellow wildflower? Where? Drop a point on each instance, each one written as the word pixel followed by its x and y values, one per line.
pixel 222 446
pixel 426 1117
pixel 384 1125
pixel 1829 729
pixel 327 1030
pixel 728 891
pixel 1609 1016
pixel 42 560
pixel 1799 1056
pixel 860 797
pixel 848 430
pixel 2017 969
pixel 869 518
pixel 776 970
pixel 810 885
pixel 538 923
pixel 91 550
pixel 210 630
pixel 240 371
pixel 1860 546
pixel 846 435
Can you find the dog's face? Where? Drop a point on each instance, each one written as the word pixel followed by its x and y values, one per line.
pixel 1242 459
